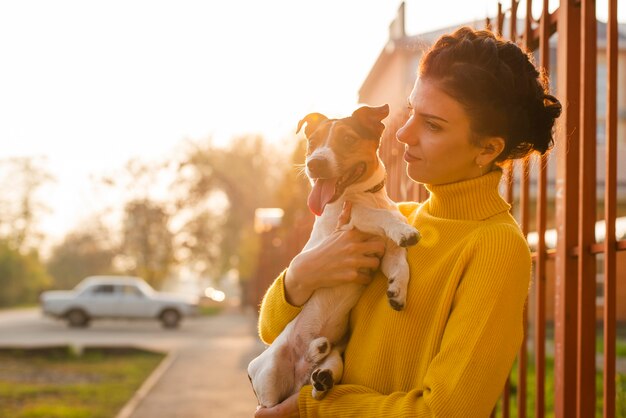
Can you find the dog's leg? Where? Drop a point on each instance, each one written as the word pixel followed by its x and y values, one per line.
pixel 271 374
pixel 327 374
pixel 385 222
pixel 395 267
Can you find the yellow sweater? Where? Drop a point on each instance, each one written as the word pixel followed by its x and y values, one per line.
pixel 449 352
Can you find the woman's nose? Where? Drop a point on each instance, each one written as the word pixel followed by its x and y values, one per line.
pixel 405 134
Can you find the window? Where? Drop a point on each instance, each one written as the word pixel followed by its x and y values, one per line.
pixel 132 291
pixel 104 290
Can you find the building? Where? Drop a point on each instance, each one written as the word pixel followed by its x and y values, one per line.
pixel 391 79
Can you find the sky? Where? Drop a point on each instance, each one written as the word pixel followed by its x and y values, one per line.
pixel 88 85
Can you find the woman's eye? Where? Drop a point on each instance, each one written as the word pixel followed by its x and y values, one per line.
pixel 433 126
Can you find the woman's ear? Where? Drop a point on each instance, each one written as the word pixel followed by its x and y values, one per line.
pixel 490 148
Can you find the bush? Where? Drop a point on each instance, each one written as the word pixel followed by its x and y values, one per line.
pixel 22 277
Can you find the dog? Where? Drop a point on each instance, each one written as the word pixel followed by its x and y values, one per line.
pixel 342 164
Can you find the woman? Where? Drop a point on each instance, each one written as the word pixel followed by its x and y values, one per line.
pixel 478 102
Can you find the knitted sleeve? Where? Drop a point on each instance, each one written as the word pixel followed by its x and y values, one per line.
pixel 476 351
pixel 275 311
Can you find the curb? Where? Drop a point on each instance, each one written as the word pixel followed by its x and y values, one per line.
pixel 147 385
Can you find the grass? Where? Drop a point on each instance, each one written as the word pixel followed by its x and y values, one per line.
pixel 620 410
pixel 549 392
pixel 59 382
pixel 209 310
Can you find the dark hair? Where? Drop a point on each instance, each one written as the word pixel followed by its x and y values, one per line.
pixel 498 85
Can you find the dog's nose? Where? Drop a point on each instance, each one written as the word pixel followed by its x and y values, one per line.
pixel 317 165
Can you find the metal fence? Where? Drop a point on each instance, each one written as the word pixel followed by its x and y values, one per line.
pixel 576 202
pixel 571 208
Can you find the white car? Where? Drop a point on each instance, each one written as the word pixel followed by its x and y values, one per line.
pixel 116 297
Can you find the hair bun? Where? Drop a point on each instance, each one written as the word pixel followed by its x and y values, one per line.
pixel 542 130
pixel 503 91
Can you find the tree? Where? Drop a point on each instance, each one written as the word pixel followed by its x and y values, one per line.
pixel 22 276
pixel 146 249
pixel 20 180
pixel 82 253
pixel 244 176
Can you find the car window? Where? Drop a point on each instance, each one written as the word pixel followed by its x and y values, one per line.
pixel 131 290
pixel 103 290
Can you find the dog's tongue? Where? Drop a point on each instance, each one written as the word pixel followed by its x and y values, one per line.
pixel 323 191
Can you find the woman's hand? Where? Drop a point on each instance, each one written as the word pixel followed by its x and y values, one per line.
pixel 345 256
pixel 287 409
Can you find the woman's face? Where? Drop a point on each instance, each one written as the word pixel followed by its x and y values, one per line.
pixel 437 136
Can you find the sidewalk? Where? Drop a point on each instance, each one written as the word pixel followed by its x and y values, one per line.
pixel 206 378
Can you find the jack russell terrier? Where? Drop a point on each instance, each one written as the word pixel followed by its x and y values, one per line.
pixel 342 163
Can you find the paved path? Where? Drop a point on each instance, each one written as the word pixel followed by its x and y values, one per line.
pixel 208 378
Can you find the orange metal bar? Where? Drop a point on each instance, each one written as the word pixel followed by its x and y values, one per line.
pixel 585 381
pixel 609 215
pixel 565 339
pixel 513 20
pixel 540 291
pixel 500 20
pixel 600 247
pixel 540 262
pixel 522 358
pixel 506 399
pixel 524 220
pixel 536 36
pixel 508 195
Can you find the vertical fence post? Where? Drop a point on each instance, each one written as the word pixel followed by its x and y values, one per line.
pixel 568 79
pixel 540 261
pixel 585 385
pixel 610 214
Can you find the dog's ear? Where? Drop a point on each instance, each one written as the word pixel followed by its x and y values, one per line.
pixel 371 118
pixel 312 121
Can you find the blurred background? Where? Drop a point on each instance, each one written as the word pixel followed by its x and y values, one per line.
pixel 157 139
pixel 139 137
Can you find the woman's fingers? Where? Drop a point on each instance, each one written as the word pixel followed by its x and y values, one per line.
pixel 374 247
pixel 287 409
pixel 370 262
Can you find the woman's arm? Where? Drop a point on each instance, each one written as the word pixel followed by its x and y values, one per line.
pixel 345 256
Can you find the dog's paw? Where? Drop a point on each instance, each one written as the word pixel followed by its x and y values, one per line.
pixel 396 294
pixel 322 381
pixel 319 348
pixel 405 235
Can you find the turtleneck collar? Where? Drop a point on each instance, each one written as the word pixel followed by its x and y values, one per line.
pixel 475 199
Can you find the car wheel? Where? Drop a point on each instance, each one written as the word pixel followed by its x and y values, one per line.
pixel 170 318
pixel 77 318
